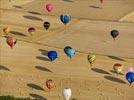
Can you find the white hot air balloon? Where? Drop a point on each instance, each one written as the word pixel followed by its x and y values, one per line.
pixel 67 93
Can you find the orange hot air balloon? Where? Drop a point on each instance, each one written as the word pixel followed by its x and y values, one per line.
pixel 6 30
pixel 50 84
pixel 11 41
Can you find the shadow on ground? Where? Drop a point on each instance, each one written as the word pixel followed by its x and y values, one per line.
pixel 17 33
pixel 15 6
pixel 33 12
pixel 42 58
pixel 114 79
pixel 33 18
pixel 96 7
pixel 43 69
pixel 100 71
pixel 37 97
pixel 116 58
pixel 4 68
pixel 43 52
pixel 68 0
pixel 34 86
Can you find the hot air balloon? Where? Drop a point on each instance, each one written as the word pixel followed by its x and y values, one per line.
pixel 130 69
pixel 67 93
pixel 50 84
pixel 114 33
pixel 46 25
pixel 52 55
pixel 91 58
pixel 11 41
pixel 118 68
pixel 31 30
pixel 49 7
pixel 70 52
pixel 130 77
pixel 101 1
pixel 65 19
pixel 6 30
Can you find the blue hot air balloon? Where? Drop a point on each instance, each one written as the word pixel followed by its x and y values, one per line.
pixel 52 55
pixel 65 19
pixel 130 77
pixel 70 52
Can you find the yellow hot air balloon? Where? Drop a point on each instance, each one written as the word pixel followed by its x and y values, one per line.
pixel 118 68
pixel 6 30
pixel 91 58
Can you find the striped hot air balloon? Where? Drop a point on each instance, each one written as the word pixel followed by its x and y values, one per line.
pixel 91 58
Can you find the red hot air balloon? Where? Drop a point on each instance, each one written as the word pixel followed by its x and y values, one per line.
pixel 50 84
pixel 31 30
pixel 11 41
pixel 49 7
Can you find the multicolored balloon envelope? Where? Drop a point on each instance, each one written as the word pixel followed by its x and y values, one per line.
pixel 91 58
pixel 130 77
pixel 11 41
pixel 46 25
pixel 69 51
pixel 114 33
pixel 31 30
pixel 67 93
pixel 49 7
pixel 52 55
pixel 50 84
pixel 65 19
pixel 118 68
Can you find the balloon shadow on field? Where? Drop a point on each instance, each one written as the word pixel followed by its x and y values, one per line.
pixel 96 7
pixel 42 58
pixel 114 79
pixel 34 86
pixel 37 97
pixel 112 71
pixel 33 12
pixel 68 0
pixel 43 69
pixel 4 68
pixel 18 33
pixel 100 71
pixel 116 58
pixel 43 52
pixel 33 18
pixel 15 6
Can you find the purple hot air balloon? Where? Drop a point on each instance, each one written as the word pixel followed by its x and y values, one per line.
pixel 114 33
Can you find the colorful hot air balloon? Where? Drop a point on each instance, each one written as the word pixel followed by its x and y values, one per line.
pixel 50 84
pixel 31 30
pixel 46 25
pixel 67 93
pixel 52 55
pixel 6 30
pixel 11 41
pixel 114 33
pixel 70 52
pixel 118 68
pixel 91 58
pixel 130 77
pixel 49 7
pixel 65 19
